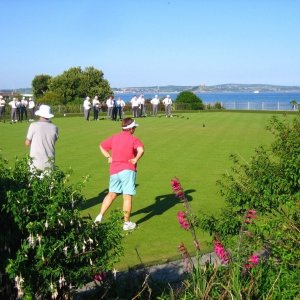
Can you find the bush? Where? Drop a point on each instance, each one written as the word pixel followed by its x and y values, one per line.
pixel 60 250
pixel 187 97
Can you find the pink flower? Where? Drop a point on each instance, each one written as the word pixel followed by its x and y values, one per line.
pixel 254 259
pixel 221 252
pixel 176 186
pixel 251 214
pixel 182 219
pixel 100 276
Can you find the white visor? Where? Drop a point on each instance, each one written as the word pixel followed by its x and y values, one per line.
pixel 133 124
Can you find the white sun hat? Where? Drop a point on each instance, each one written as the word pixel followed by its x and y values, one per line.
pixel 131 125
pixel 44 112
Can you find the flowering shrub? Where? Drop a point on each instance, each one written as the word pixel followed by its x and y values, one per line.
pixel 59 250
pixel 182 219
pixel 241 274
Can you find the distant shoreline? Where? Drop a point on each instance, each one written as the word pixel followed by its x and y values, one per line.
pixel 221 88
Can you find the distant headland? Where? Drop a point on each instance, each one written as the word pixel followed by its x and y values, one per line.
pixel 220 88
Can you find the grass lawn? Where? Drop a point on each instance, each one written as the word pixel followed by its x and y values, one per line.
pixel 195 147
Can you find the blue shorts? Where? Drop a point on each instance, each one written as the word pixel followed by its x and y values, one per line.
pixel 123 182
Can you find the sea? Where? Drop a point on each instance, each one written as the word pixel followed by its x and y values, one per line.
pixel 239 101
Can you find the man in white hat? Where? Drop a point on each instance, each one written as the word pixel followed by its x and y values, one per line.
pixel 41 137
pixel 122 151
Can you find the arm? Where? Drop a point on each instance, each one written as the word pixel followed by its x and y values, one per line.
pixel 106 154
pixel 27 142
pixel 140 152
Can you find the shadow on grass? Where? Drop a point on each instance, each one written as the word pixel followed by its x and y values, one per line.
pixel 94 201
pixel 162 203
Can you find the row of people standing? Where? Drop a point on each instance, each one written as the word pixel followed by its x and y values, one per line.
pixel 138 106
pixel 115 108
pixel 19 109
pixel 167 102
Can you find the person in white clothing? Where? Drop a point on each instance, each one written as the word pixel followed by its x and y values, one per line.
pixel 168 105
pixel 135 106
pixel 110 107
pixel 18 104
pixel 120 107
pixel 24 105
pixel 41 138
pixel 155 102
pixel 13 110
pixel 2 109
pixel 141 101
pixel 96 108
pixel 31 106
pixel 87 108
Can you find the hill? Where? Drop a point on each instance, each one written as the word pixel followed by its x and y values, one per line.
pixel 229 87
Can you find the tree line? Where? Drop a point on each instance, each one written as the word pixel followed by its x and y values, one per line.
pixel 75 84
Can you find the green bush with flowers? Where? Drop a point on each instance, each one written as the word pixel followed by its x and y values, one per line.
pixel 54 249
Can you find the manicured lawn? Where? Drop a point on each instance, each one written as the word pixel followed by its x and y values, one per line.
pixel 195 147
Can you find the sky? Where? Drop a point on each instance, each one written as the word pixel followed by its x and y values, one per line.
pixel 152 42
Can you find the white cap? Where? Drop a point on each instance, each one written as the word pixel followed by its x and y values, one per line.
pixel 44 112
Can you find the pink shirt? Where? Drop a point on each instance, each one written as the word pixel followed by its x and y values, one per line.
pixel 123 147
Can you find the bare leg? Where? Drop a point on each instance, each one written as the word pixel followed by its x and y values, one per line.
pixel 109 198
pixel 127 204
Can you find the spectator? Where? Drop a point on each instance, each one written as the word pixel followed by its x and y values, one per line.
pixel 96 108
pixel 155 102
pixel 2 109
pixel 120 107
pixel 31 106
pixel 110 107
pixel 87 108
pixel 141 101
pixel 13 110
pixel 135 106
pixel 24 105
pixel 168 105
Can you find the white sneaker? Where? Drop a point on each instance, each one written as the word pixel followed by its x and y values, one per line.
pixel 98 219
pixel 129 226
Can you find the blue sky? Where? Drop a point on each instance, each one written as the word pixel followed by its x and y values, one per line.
pixel 152 42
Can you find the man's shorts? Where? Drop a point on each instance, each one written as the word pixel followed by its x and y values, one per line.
pixel 123 182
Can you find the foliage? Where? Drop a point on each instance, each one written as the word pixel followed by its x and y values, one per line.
pixel 60 249
pixel 50 98
pixel 10 236
pixel 188 97
pixel 242 272
pixel 40 85
pixel 76 82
